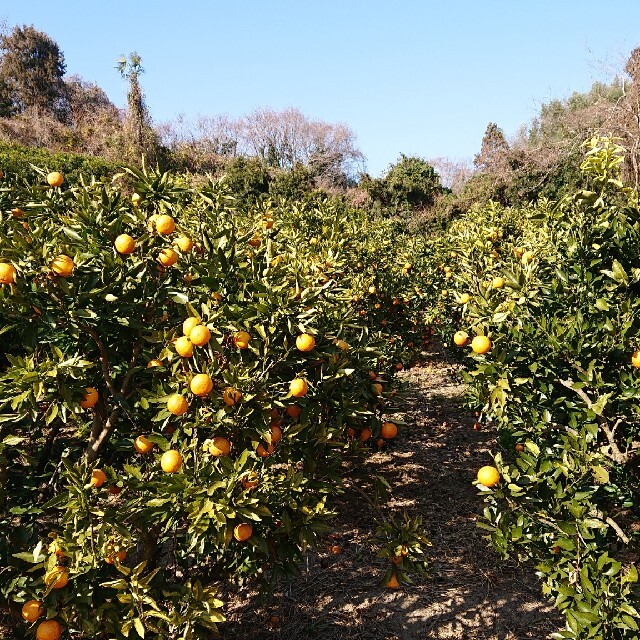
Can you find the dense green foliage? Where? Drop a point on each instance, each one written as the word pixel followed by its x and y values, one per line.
pixel 275 271
pixel 561 388
pixel 23 163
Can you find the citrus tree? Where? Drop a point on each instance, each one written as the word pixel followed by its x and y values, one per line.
pixel 548 324
pixel 179 380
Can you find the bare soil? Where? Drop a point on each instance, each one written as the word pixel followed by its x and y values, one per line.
pixel 470 593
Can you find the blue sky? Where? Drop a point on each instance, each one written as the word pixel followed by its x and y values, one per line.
pixel 412 76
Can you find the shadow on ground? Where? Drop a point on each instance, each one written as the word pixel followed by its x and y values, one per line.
pixel 470 593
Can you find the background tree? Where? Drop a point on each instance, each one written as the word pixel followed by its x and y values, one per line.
pixel 31 74
pixel 142 140
pixel 493 150
pixel 410 183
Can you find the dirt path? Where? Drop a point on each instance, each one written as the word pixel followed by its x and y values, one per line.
pixel 470 593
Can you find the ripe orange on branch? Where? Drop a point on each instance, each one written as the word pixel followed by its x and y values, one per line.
pixel 177 405
pixel 167 257
pixel 55 179
pixel 201 385
pixel 32 610
pixel 219 447
pixel 57 578
pixel 165 224
pixel 231 396
pixel 241 339
pixel 298 387
pixel 242 532
pixel 7 273
pixel 389 430
pixel 481 345
pixel 305 342
pixel 90 398
pixel 98 478
pixel 142 445
pixel 488 476
pixel 125 244
pixel 184 243
pixel 461 338
pixel 49 630
pixel 184 347
pixel 171 461
pixel 200 335
pixel 63 266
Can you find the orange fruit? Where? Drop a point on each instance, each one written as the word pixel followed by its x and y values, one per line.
pixel 372 375
pixel 120 555
pixel 62 266
pixel 527 257
pixel 125 244
pixel 219 447
pixel 98 478
pixel 241 339
pixel 373 290
pixel 365 434
pixel 57 578
pixel 250 481
pixel 171 461
pixel 49 630
pixel 200 335
pixel 293 411
pixel 201 385
pixel 32 610
pixel 464 298
pixel 154 363
pixel 7 273
pixel 216 297
pixel 142 445
pixel 263 451
pixel 17 213
pixel 389 430
pixel 498 282
pixel 55 179
pixel 267 222
pixel 488 476
pixel 392 582
pixel 298 387
pixel 276 433
pixel 183 347
pixel 90 398
pixel 165 224
pixel 255 241
pixel 305 342
pixel 518 252
pixel 189 325
pixel 135 199
pixel 168 257
pixel 341 344
pixel 519 447
pixel 184 243
pixel 242 532
pixel 231 396
pixel 635 359
pixel 377 389
pixel 177 404
pixel 399 366
pixel 114 491
pixel 481 344
pixel 461 338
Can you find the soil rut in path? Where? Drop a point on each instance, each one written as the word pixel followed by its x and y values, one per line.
pixel 470 592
